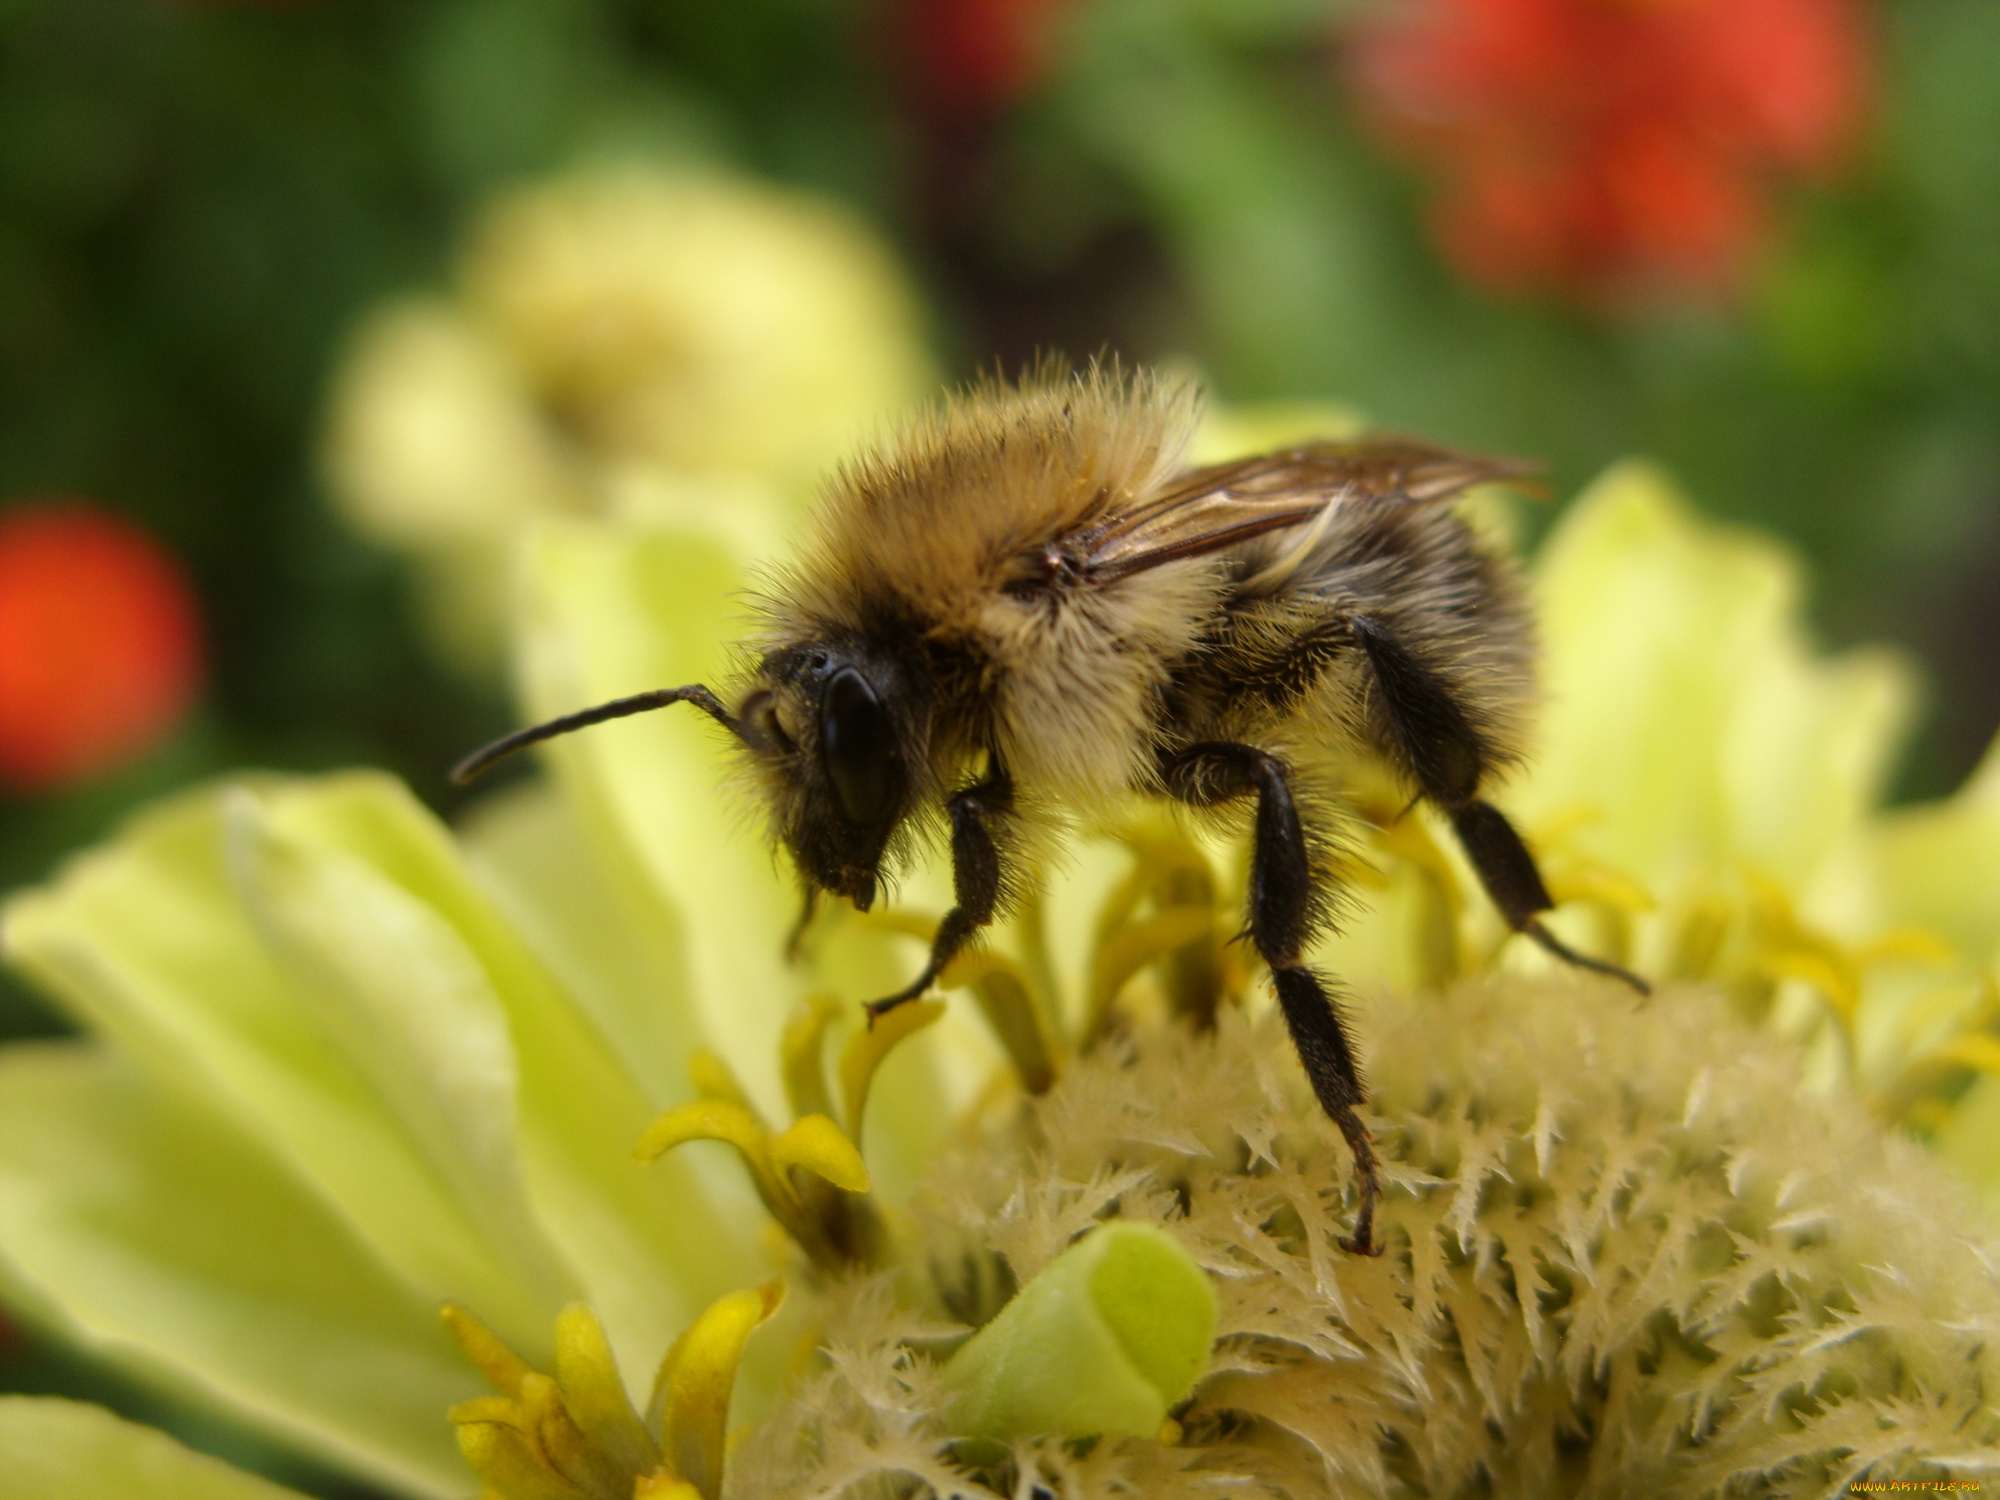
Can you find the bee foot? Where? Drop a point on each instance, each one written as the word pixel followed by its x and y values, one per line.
pixel 1555 945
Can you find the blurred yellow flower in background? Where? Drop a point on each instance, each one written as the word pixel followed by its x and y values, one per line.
pixel 621 341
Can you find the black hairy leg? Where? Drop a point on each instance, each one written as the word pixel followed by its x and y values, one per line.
pixel 976 878
pixel 1438 744
pixel 1283 903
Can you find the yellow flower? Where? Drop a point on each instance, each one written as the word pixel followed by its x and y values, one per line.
pixel 1705 797
pixel 345 1065
pixel 622 342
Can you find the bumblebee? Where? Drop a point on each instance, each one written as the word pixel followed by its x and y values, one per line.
pixel 1026 609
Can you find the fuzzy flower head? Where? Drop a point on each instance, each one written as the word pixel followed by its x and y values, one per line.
pixel 1612 150
pixel 1070 1227
pixel 1623 1259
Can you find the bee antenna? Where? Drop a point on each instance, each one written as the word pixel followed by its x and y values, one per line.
pixel 480 761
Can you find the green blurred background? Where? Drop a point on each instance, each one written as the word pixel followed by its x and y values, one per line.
pixel 197 201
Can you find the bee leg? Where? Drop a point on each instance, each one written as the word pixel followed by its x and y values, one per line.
pixel 1282 909
pixel 1436 740
pixel 976 879
pixel 1508 872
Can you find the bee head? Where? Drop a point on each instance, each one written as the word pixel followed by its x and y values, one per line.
pixel 831 727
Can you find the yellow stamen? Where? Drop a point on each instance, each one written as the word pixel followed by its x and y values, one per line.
pixel 869 1046
pixel 802 1054
pixel 713 1078
pixel 510 1465
pixel 816 1144
pixel 501 1366
pixel 691 1395
pixel 595 1394
pixel 562 1443
pixel 576 1435
pixel 1698 938
pixel 1130 948
pixel 1007 999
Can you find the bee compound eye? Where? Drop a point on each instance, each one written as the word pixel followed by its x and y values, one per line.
pixel 858 745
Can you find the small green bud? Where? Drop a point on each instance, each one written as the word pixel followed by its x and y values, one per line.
pixel 1106 1339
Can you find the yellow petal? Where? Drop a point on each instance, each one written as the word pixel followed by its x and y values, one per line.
pixel 144 1226
pixel 691 1395
pixel 611 611
pixel 146 938
pixel 1684 700
pixel 356 877
pixel 1938 865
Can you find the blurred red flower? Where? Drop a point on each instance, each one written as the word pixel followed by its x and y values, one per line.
pixel 972 57
pixel 1612 149
pixel 100 651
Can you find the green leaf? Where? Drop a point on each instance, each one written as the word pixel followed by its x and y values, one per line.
pixel 1106 1339
pixel 66 1450
pixel 148 1228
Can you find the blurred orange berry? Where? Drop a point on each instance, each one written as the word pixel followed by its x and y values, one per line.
pixel 100 645
pixel 1614 150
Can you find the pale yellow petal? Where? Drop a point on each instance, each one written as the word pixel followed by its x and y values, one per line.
pixel 527 847
pixel 167 1241
pixel 609 613
pixel 432 434
pixel 1937 866
pixel 647 1249
pixel 399 995
pixel 146 939
pixel 1685 709
pixel 52 1449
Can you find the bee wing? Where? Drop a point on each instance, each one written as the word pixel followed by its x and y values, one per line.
pixel 1207 510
